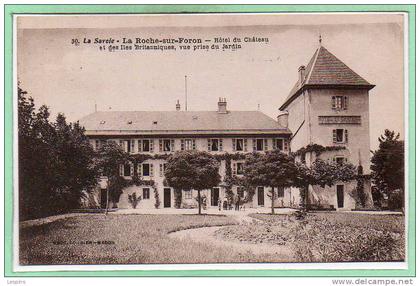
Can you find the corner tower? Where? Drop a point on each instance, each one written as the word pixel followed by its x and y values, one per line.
pixel 329 106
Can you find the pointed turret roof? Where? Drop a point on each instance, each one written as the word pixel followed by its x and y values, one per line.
pixel 327 71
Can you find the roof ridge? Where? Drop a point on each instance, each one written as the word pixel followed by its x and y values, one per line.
pixel 313 65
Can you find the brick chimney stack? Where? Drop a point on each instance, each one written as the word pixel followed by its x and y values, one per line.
pixel 222 105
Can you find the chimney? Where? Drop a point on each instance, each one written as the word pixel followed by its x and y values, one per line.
pixel 301 71
pixel 178 106
pixel 221 105
pixel 283 119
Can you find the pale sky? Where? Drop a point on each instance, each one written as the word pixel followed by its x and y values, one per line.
pixel 71 79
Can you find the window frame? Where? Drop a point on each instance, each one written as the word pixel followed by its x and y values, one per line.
pixel 146 191
pixel 188 194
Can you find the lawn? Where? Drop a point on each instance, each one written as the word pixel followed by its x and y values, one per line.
pixel 123 239
pixel 129 239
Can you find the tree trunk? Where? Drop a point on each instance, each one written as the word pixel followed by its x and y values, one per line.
pixel 107 200
pixel 199 202
pixel 272 200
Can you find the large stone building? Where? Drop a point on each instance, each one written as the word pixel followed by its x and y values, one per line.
pixel 164 132
pixel 328 106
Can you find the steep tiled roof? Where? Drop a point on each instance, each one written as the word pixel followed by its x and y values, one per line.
pixel 180 122
pixel 325 69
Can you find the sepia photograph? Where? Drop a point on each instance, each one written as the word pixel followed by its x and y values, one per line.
pixel 176 139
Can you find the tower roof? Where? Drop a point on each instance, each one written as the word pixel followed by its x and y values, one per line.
pixel 327 71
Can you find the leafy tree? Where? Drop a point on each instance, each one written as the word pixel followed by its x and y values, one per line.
pixel 321 173
pixel 109 158
pixel 388 166
pixel 272 169
pixel 55 161
pixel 192 170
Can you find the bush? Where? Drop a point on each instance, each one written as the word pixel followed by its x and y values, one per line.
pixel 325 240
pixel 134 200
pixel 396 200
pixel 157 199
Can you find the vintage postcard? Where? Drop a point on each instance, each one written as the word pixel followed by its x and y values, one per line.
pixel 211 141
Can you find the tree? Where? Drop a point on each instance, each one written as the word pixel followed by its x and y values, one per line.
pixel 110 157
pixel 388 166
pixel 56 162
pixel 272 169
pixel 192 170
pixel 321 173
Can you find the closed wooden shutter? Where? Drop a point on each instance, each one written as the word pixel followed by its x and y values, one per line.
pixel 172 145
pixel 121 170
pixel 333 106
pixel 131 169
pixel 139 146
pixel 160 145
pixel 346 136
pixel 274 143
pixel 152 147
pixel 209 145
pixel 265 144
pixel 254 144
pixel 245 145
pixel 220 144
pixel 234 168
pixel 193 144
pixel 151 170
pixel 160 170
pixel 234 144
pixel 345 103
pixel 334 135
pixel 139 173
pixel 132 146
pixel 182 145
pixel 285 145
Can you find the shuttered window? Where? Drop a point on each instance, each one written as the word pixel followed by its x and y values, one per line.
pixel 339 102
pixel 340 136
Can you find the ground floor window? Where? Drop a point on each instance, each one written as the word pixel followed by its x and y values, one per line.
pixel 280 192
pixel 146 193
pixel 188 194
pixel 127 170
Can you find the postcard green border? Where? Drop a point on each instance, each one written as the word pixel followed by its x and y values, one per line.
pixel 10 10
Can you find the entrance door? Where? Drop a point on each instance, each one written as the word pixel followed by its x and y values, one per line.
pixel 340 196
pixel 260 196
pixel 103 198
pixel 215 197
pixel 166 197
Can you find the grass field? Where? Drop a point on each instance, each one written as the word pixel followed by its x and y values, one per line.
pixel 129 239
pixel 124 239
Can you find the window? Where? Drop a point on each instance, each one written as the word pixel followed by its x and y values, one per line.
pixel 127 145
pixel 241 192
pixel 187 144
pixel 166 145
pixel 146 170
pixel 188 194
pixel 215 144
pixel 280 192
pixel 340 136
pixel 239 144
pixel 146 193
pixel 339 102
pixel 238 168
pixel 339 160
pixel 127 170
pixel 260 144
pixel 280 144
